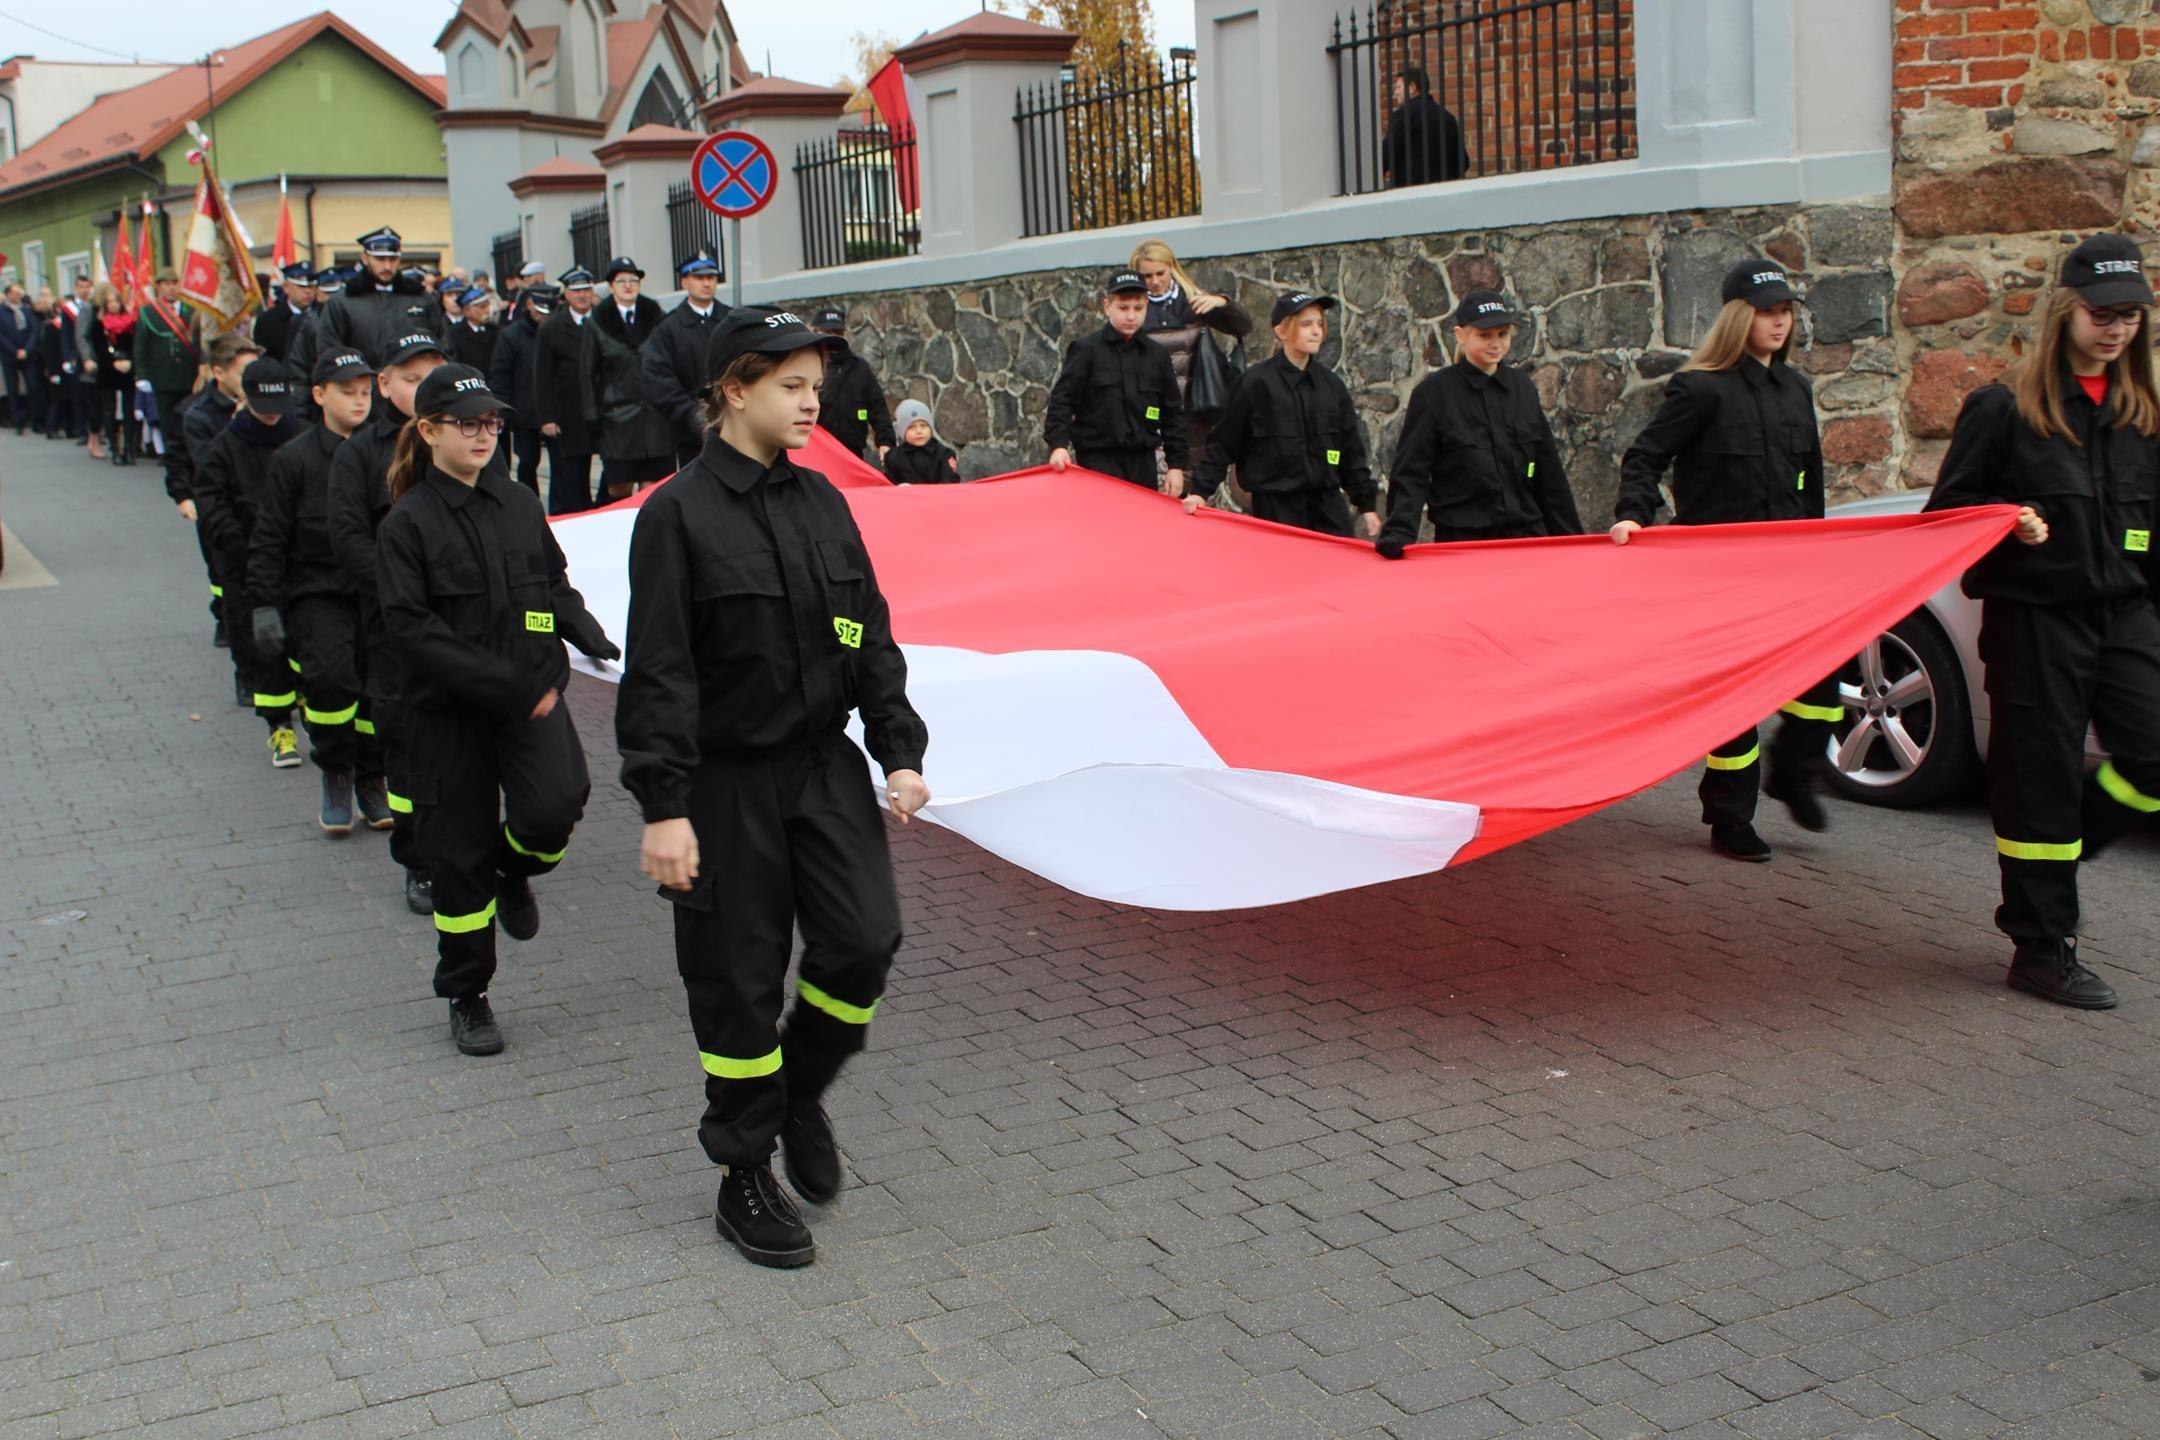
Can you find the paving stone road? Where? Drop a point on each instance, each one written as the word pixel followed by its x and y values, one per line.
pixel 1600 1137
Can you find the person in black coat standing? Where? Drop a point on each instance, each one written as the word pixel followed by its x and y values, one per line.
pixel 853 409
pixel 566 360
pixel 1116 402
pixel 634 444
pixel 675 378
pixel 376 306
pixel 510 375
pixel 1424 141
pixel 278 328
pixel 474 337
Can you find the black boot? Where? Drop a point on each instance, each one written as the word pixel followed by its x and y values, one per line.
pixel 515 909
pixel 335 817
pixel 1799 786
pixel 217 635
pixel 419 892
pixel 808 1150
pixel 2051 971
pixel 754 1215
pixel 373 797
pixel 473 1028
pixel 1739 842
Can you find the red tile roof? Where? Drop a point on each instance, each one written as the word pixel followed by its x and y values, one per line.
pixel 129 124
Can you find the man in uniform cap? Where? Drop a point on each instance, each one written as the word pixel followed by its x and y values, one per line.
pixel 379 303
pixel 634 445
pixel 566 362
pixel 279 326
pixel 168 346
pixel 853 408
pixel 473 338
pixel 675 375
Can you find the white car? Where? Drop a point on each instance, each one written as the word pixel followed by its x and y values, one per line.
pixel 1916 713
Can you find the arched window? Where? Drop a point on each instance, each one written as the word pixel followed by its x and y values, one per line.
pixel 659 105
pixel 471 71
pixel 513 72
pixel 598 39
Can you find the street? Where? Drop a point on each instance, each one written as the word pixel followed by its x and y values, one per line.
pixel 1603 1136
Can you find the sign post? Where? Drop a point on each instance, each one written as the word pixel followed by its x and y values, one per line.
pixel 734 175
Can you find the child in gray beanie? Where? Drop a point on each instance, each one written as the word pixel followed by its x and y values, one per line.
pixel 920 457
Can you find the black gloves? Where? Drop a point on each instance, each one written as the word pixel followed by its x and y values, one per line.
pixel 606 649
pixel 1389 549
pixel 269 632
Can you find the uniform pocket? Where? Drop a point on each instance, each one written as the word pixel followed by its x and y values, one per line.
pixel 746 572
pixel 843 559
pixel 698 897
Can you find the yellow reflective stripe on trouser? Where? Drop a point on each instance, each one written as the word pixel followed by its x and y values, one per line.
pixel 2122 792
pixel 1733 762
pixel 397 802
pixel 542 856
pixel 276 702
pixel 294 663
pixel 838 1009
pixel 364 726
pixel 465 924
pixel 1805 711
pixel 727 1067
pixel 2038 850
pixel 217 592
pixel 330 717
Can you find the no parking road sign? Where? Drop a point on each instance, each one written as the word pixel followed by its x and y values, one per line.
pixel 734 174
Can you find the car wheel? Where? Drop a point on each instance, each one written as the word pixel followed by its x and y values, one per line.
pixel 1907 736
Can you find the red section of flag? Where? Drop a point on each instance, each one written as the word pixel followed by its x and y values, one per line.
pixel 123 266
pixel 284 250
pixel 888 88
pixel 216 276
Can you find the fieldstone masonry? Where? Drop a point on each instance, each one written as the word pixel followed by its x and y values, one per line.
pixel 1614 307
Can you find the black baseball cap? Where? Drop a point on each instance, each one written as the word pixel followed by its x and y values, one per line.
pixel 2108 270
pixel 268 386
pixel 1296 300
pixel 1485 310
pixel 1124 282
pixel 456 390
pixel 831 319
pixel 1762 283
pixel 334 365
pixel 404 347
pixel 760 329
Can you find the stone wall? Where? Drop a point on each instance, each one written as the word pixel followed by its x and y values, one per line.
pixel 1614 307
pixel 2021 127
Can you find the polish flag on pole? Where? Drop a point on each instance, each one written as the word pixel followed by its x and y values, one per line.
pixel 284 250
pixel 215 275
pixel 124 262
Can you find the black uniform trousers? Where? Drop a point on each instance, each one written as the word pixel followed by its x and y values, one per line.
pixel 1732 774
pixel 393 732
pixel 786 838
pixel 1137 466
pixel 272 678
pixel 645 470
pixel 526 446
pixel 323 632
pixel 1323 510
pixel 2051 671
pixel 569 480
pixel 490 798
pixel 1455 534
pixel 210 568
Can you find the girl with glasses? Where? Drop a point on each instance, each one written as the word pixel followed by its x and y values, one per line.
pixel 2068 631
pixel 477 605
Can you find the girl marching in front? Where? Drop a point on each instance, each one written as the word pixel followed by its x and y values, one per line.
pixel 756 626
pixel 1293 432
pixel 1476 449
pixel 2068 630
pixel 477 605
pixel 1737 429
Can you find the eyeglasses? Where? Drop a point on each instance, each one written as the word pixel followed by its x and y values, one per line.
pixel 2109 319
pixel 484 425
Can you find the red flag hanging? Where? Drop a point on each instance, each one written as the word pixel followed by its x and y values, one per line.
pixel 888 88
pixel 123 266
pixel 284 250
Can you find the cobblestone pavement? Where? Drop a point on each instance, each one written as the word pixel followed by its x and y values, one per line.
pixel 1600 1137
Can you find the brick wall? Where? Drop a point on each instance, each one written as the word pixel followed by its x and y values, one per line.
pixel 2021 126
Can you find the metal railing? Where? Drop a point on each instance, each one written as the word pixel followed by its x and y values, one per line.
pixel 861 197
pixel 1110 148
pixel 692 229
pixel 1514 85
pixel 507 251
pixel 589 238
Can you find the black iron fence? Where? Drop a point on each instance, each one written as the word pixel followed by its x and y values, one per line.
pixel 507 251
pixel 692 229
pixel 589 238
pixel 861 196
pixel 1110 148
pixel 1432 90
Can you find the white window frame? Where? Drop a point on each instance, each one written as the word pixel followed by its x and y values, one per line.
pixel 33 267
pixel 65 268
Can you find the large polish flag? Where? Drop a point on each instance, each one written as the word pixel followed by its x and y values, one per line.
pixel 1209 712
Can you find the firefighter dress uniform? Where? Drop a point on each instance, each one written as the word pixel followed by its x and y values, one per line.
pixel 2069 635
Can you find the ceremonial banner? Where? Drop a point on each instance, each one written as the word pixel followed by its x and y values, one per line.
pixel 215 275
pixel 1209 712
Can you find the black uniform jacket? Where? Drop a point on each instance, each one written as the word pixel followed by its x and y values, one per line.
pixel 1289 429
pixel 1117 394
pixel 931 464
pixel 230 481
pixel 565 364
pixel 630 429
pixel 852 403
pixel 202 415
pixel 367 317
pixel 278 329
pixel 510 371
pixel 2097 494
pixel 1477 452
pixel 477 597
pixel 474 347
pixel 289 554
pixel 675 378
pixel 1742 444
pixel 755 621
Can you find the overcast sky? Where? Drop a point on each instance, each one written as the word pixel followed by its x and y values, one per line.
pixel 806 39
